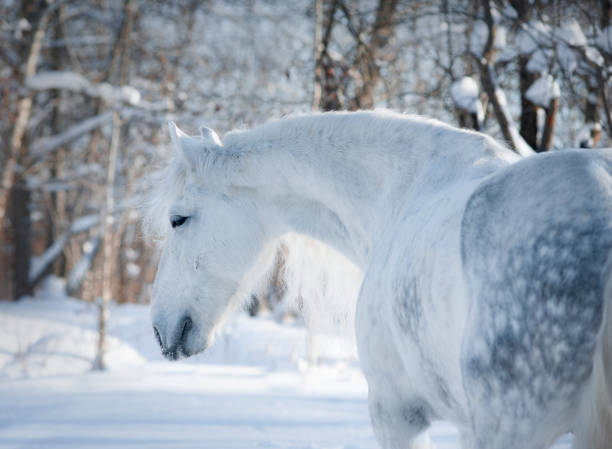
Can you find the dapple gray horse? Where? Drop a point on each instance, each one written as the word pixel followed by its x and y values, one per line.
pixel 486 291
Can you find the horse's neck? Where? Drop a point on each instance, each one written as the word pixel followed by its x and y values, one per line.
pixel 338 187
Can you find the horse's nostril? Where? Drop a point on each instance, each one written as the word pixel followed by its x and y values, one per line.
pixel 157 337
pixel 187 325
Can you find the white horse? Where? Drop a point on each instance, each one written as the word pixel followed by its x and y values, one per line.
pixel 486 292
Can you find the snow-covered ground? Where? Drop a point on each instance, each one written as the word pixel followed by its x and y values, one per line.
pixel 253 389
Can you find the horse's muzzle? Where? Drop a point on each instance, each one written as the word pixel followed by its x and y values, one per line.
pixel 175 345
pixel 175 353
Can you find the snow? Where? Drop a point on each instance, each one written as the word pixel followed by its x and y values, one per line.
pixel 39 263
pixel 543 91
pixel 57 80
pixel 594 55
pixel 81 268
pixel 539 61
pixel 584 134
pixel 521 146
pixel 478 38
pixel 170 407
pixel 76 82
pixel 45 145
pixel 253 390
pixel 568 36
pixel 509 12
pixel 537 39
pixel 571 33
pixel 530 36
pixel 480 34
pixel 24 25
pixel 133 270
pixel 466 96
pixel 84 223
pixel 500 38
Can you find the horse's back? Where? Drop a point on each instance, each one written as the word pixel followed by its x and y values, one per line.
pixel 536 239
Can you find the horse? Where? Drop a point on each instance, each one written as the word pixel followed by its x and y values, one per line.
pixel 486 290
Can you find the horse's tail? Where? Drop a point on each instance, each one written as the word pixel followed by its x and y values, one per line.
pixel 593 428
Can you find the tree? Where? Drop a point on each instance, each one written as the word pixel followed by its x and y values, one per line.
pixel 70 73
pixel 14 194
pixel 350 83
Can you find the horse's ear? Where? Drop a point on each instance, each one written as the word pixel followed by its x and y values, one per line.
pixel 192 149
pixel 208 134
pixel 175 134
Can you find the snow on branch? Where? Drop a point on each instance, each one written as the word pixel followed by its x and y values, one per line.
pixel 84 223
pixel 76 82
pixel 40 263
pixel 466 96
pixel 543 91
pixel 81 268
pixel 45 145
pixel 567 43
pixel 519 144
pixel 480 35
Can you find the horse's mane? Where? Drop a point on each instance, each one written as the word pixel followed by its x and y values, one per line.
pixel 359 126
pixel 383 128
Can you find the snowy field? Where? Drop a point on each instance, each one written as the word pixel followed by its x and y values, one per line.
pixel 254 389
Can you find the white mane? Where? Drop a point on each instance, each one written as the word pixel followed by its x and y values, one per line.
pixel 353 132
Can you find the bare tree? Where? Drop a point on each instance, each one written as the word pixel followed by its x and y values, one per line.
pixel 14 194
pixel 326 84
pixel 485 63
pixel 351 83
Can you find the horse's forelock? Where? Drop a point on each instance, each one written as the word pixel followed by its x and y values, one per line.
pixel 163 186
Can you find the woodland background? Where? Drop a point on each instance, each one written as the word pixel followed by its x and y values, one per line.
pixel 86 88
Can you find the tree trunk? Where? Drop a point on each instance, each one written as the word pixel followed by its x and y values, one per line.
pixel 38 17
pixel 108 253
pixel 528 121
pixel 19 208
pixel 58 199
pixel 591 112
pixel 529 111
pixel 487 76
pixel 14 197
pixel 606 13
pixel 368 53
pixel 108 224
pixel 488 83
pixel 326 87
pixel 549 126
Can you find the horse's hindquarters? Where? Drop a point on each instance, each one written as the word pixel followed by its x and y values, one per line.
pixel 535 241
pixel 593 428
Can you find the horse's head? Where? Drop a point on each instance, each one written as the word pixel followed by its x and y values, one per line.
pixel 211 239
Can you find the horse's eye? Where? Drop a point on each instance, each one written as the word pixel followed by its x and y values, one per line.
pixel 177 220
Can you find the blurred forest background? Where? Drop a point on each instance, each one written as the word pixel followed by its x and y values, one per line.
pixel 86 87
